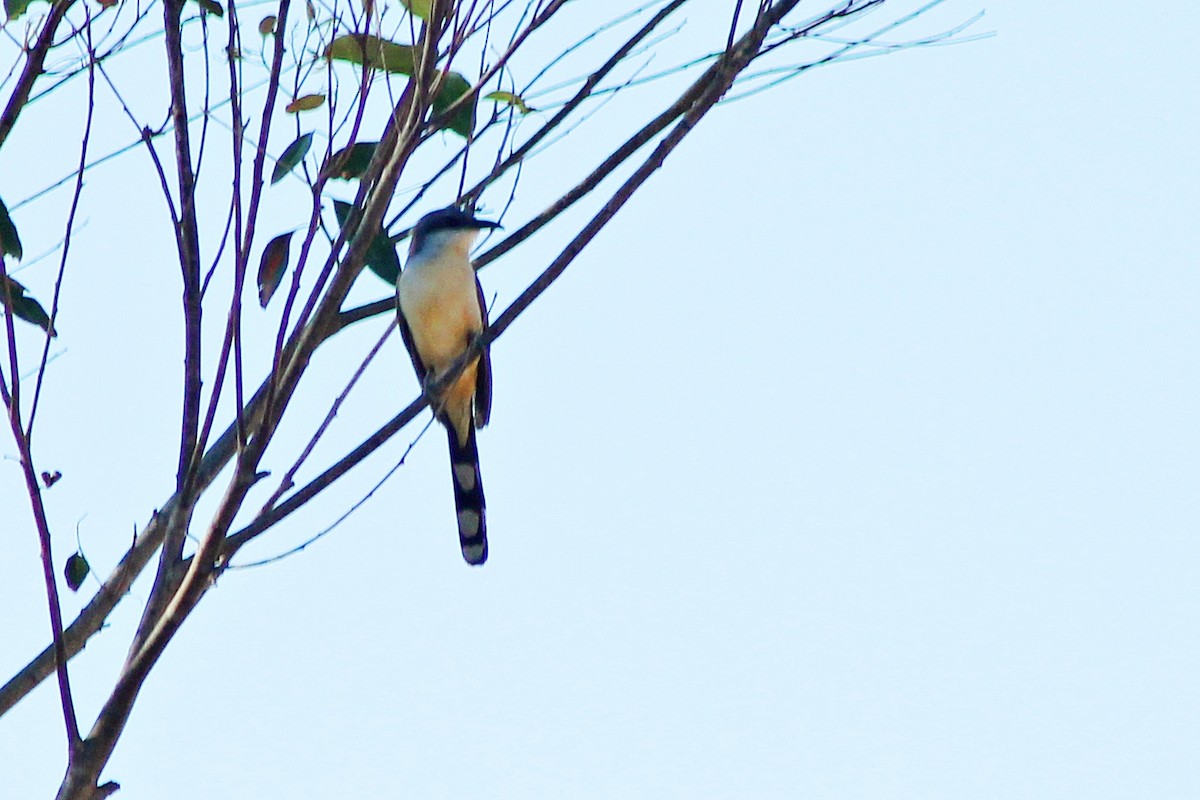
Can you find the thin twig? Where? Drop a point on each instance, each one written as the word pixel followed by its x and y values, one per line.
pixel 699 99
pixel 243 241
pixel 73 210
pixel 320 319
pixel 161 628
pixel 569 107
pixel 288 480
pixel 34 67
pixel 321 534
pixel 188 241
pixel 12 404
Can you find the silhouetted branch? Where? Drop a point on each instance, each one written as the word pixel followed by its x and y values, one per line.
pixel 489 156
pixel 35 60
pixel 694 104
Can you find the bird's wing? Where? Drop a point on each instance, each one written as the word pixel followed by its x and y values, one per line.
pixel 483 374
pixel 406 335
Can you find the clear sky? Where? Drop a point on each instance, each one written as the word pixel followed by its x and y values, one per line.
pixel 856 459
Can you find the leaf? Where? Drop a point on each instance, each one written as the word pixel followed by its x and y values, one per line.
pixel 51 478
pixel 462 120
pixel 267 26
pixel 272 266
pixel 418 8
pixel 383 260
pixel 306 103
pixel 10 243
pixel 293 155
pixel 508 98
pixel 15 8
pixel 212 7
pixel 374 52
pixel 31 310
pixel 381 255
pixel 76 570
pixel 350 162
pixel 13 297
pixel 107 3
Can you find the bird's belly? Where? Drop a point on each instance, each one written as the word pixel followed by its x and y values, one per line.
pixel 442 315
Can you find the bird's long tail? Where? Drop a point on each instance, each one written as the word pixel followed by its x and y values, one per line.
pixel 468 497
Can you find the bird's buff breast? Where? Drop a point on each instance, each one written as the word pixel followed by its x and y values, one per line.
pixel 442 313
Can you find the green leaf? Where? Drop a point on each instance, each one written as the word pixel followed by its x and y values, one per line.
pixel 462 120
pixel 508 98
pixel 31 310
pixel 306 103
pixel 272 265
pixel 382 54
pixel 293 155
pixel 420 9
pixel 383 260
pixel 15 8
pixel 10 243
pixel 351 162
pixel 374 52
pixel 22 306
pixel 341 210
pixel 381 255
pixel 212 7
pixel 76 570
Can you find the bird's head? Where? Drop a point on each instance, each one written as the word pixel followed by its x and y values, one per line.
pixel 447 228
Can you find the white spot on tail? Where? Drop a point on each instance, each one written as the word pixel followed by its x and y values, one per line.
pixel 464 475
pixel 473 554
pixel 468 523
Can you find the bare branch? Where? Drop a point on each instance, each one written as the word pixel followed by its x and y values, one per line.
pixel 188 239
pixel 463 35
pixel 288 480
pixel 12 404
pixel 321 534
pixel 697 101
pixel 75 196
pixel 34 64
pixel 580 96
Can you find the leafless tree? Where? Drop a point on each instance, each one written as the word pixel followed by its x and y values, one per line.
pixel 441 93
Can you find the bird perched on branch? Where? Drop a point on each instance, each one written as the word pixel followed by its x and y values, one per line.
pixel 440 307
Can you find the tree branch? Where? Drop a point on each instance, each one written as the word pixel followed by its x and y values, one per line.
pixel 34 65
pixel 83 773
pixel 187 238
pixel 12 404
pixel 181 583
pixel 697 101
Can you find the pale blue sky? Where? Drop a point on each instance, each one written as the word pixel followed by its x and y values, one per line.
pixel 856 459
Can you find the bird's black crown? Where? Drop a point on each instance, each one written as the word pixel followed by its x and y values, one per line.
pixel 450 219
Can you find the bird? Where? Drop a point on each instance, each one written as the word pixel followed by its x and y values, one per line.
pixel 440 311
